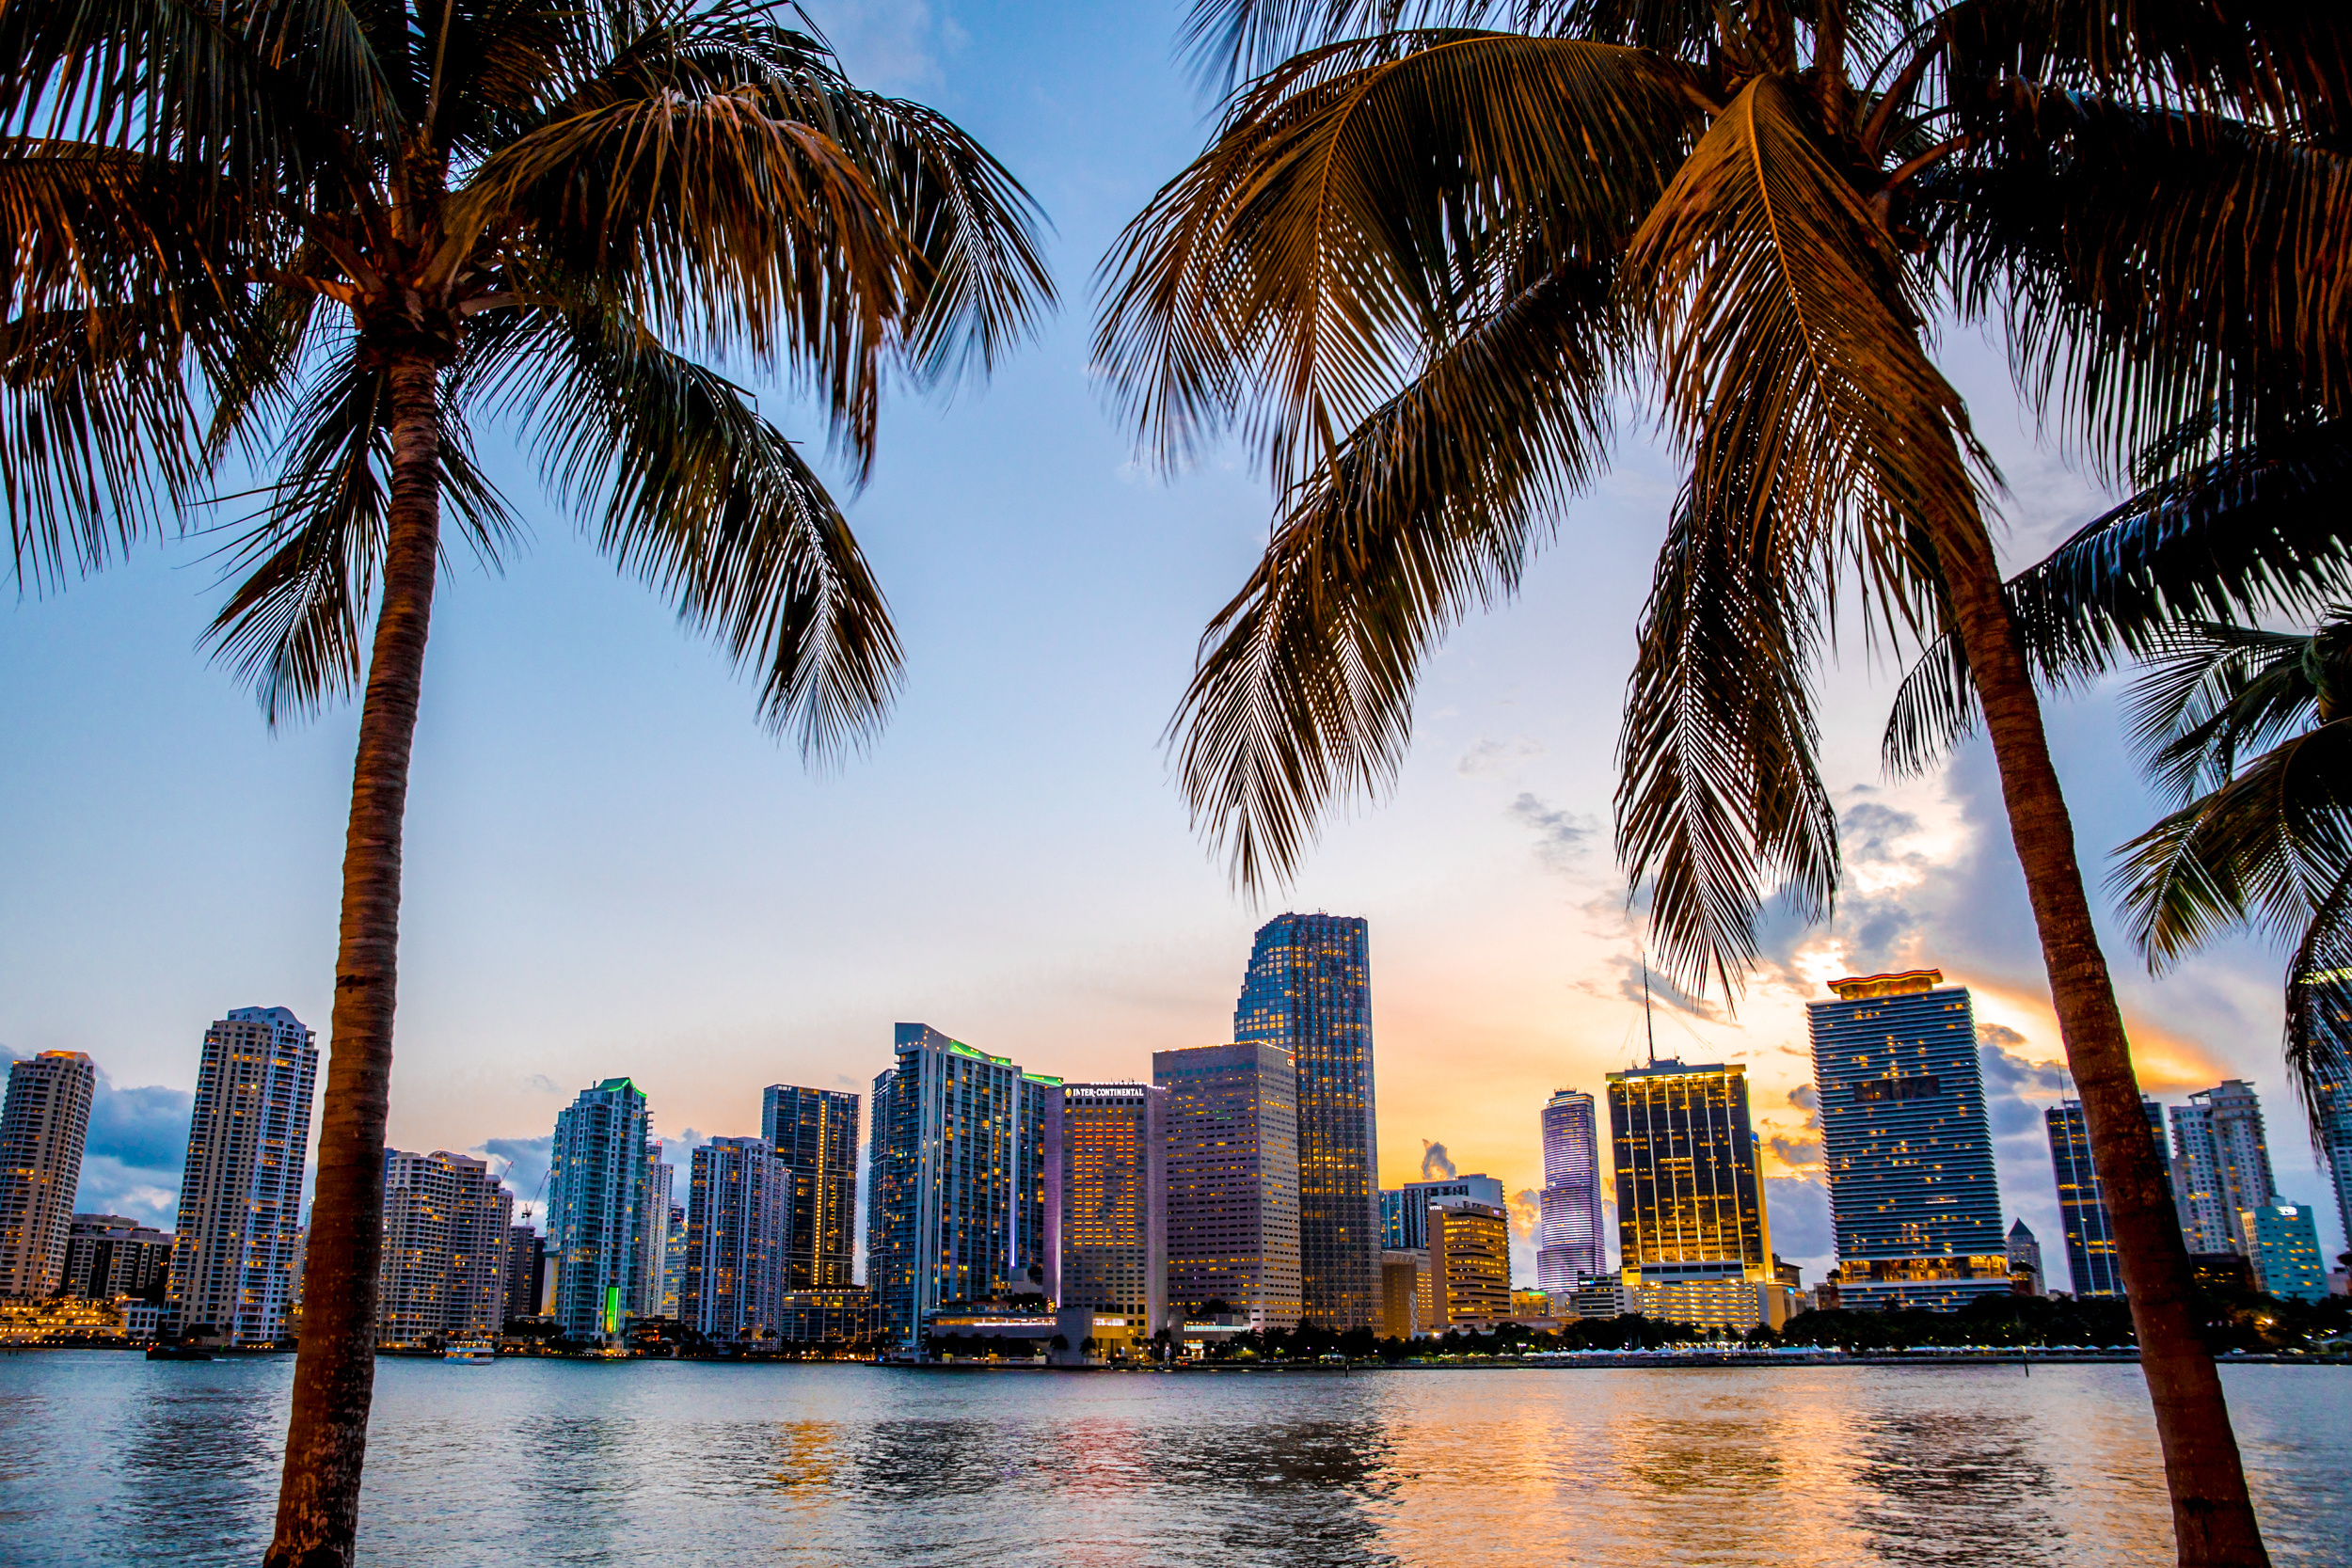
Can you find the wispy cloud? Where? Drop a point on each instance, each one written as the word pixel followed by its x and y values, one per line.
pixel 1561 835
pixel 1435 1165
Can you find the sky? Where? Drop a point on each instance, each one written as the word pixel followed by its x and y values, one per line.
pixel 612 868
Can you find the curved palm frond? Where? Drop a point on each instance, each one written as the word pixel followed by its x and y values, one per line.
pixel 2319 1003
pixel 2211 693
pixel 1304 687
pixel 1719 803
pixel 2256 532
pixel 2262 850
pixel 293 629
pixel 1359 207
pixel 709 503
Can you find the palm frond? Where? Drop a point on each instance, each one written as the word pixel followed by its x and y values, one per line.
pixel 2256 532
pixel 694 492
pixel 1304 687
pixel 2210 694
pixel 1359 207
pixel 2319 1005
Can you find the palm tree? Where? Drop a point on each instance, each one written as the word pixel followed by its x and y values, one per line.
pixel 1422 254
pixel 326 236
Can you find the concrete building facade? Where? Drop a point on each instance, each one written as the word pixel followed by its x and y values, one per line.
pixel 1112 1190
pixel 738 1230
pixel 443 1273
pixel 108 1256
pixel 2220 1166
pixel 239 1233
pixel 45 1125
pixel 1231 1176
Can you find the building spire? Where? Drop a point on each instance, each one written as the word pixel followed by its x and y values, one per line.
pixel 1649 1023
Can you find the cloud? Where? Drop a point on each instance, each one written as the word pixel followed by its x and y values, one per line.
pixel 1435 1165
pixel 1802 1232
pixel 1495 756
pixel 522 1165
pixel 896 45
pixel 1631 981
pixel 2015 1089
pixel 1560 835
pixel 540 1082
pixel 136 1152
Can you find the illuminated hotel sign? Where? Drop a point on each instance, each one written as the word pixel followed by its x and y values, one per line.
pixel 1115 1091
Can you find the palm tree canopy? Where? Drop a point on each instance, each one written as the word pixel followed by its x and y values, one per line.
pixel 225 219
pixel 1428 243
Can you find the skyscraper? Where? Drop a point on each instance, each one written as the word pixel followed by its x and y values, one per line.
pixel 1690 1193
pixel 1572 1241
pixel 596 1173
pixel 956 1209
pixel 2092 1258
pixel 1404 1211
pixel 2283 1247
pixel 652 1241
pixel 1232 1179
pixel 1470 1263
pixel 674 1263
pixel 44 1127
pixel 240 1227
pixel 108 1256
pixel 2024 1257
pixel 2335 1139
pixel 526 1271
pixel 2220 1165
pixel 1308 991
pixel 1113 1192
pixel 738 1232
pixel 443 1274
pixel 815 1132
pixel 1913 1198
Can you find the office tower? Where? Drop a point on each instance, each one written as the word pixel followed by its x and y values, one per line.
pixel 673 1261
pixel 526 1271
pixel 2024 1257
pixel 815 1132
pixel 1470 1263
pixel 443 1274
pixel 2283 1246
pixel 2220 1165
pixel 1409 1295
pixel 1570 1240
pixel 1913 1198
pixel 652 1235
pixel 956 1209
pixel 2335 1139
pixel 240 1194
pixel 1308 991
pixel 108 1256
pixel 43 1126
pixel 738 1232
pixel 1232 1179
pixel 1404 1211
pixel 1113 1190
pixel 2091 1259
pixel 595 1194
pixel 1690 1200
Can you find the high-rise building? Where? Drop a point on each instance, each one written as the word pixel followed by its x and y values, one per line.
pixel 2024 1257
pixel 1408 1294
pixel 815 1132
pixel 1113 1192
pixel 1571 1240
pixel 526 1271
pixel 108 1256
pixel 674 1263
pixel 1470 1263
pixel 44 1127
pixel 240 1226
pixel 1914 1201
pixel 1232 1179
pixel 2285 1249
pixel 652 1235
pixel 1308 991
pixel 2335 1137
pixel 956 1209
pixel 596 1173
pixel 738 1233
pixel 2092 1261
pixel 443 1274
pixel 2220 1165
pixel 1690 1192
pixel 1404 1211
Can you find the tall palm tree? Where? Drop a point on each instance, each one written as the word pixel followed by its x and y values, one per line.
pixel 1421 254
pixel 326 236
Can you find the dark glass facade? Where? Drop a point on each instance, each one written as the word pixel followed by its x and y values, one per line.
pixel 1690 1199
pixel 815 1132
pixel 2091 1260
pixel 1308 991
pixel 1232 1179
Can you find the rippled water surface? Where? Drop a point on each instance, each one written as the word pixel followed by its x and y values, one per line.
pixel 109 1459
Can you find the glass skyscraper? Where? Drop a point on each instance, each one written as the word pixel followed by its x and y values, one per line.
pixel 239 1227
pixel 596 1179
pixel 1232 1179
pixel 2091 1259
pixel 2335 1139
pixel 815 1132
pixel 957 1209
pixel 1571 1243
pixel 1914 1201
pixel 1308 991
pixel 739 1220
pixel 1690 1193
pixel 2220 1166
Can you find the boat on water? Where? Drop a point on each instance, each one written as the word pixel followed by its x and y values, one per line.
pixel 175 1352
pixel 471 1351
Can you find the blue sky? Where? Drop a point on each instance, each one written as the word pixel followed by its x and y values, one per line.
pixel 611 869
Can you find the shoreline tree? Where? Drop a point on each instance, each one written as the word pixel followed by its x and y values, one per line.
pixel 1421 254
pixel 325 236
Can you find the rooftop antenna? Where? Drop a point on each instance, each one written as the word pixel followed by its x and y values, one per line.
pixel 1649 1024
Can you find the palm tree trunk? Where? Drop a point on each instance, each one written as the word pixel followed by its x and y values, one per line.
pixel 318 1498
pixel 2213 1519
